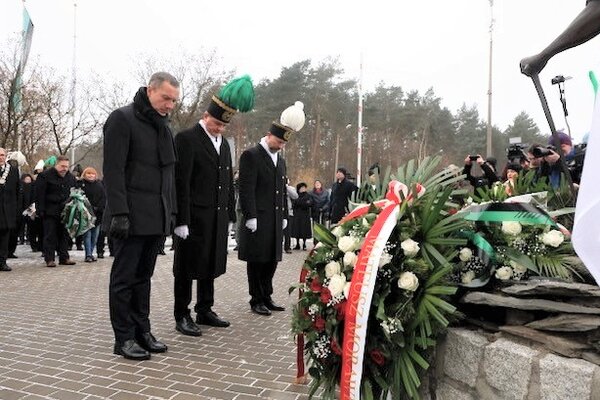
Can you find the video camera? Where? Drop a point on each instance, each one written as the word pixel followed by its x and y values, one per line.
pixel 516 152
pixel 575 165
pixel 540 151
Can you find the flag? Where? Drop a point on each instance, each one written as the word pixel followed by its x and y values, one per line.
pixel 26 47
pixel 586 231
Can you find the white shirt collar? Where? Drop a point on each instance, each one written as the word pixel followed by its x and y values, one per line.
pixel 263 143
pixel 215 140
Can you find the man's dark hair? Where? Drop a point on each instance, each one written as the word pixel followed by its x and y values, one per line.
pixel 158 78
pixel 61 158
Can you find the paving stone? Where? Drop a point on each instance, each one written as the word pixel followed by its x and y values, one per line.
pixel 464 353
pixel 502 359
pixel 564 378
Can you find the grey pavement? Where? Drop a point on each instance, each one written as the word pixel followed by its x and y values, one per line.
pixel 56 339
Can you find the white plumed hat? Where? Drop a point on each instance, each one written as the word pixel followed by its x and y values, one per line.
pixel 18 157
pixel 292 120
pixel 39 166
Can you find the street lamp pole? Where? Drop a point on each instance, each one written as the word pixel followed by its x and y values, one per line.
pixel 360 126
pixel 489 118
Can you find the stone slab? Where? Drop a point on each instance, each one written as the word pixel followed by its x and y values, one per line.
pixel 553 288
pixel 498 300
pixel 564 378
pixel 502 359
pixel 567 323
pixel 556 344
pixel 463 355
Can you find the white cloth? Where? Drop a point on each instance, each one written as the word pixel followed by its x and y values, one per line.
pixel 252 224
pixel 229 226
pixel 182 231
pixel 284 224
pixel 215 140
pixel 263 143
pixel 586 231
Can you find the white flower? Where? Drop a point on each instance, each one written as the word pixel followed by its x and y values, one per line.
pixel 504 273
pixel 350 259
pixel 386 258
pixel 365 223
pixel 336 284
pixel 347 290
pixel 469 201
pixel 553 238
pixel 348 243
pixel 467 277
pixel 512 228
pixel 408 281
pixel 410 247
pixel 338 231
pixel 465 254
pixel 518 268
pixel 332 268
pixel 320 244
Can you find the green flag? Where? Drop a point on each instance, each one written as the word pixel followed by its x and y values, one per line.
pixel 26 47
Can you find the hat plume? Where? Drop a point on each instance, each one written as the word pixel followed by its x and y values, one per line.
pixel 239 93
pixel 293 116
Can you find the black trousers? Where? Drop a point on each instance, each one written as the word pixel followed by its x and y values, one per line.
pixel 260 281
pixel 56 239
pixel 35 233
pixel 4 238
pixel 205 296
pixel 129 288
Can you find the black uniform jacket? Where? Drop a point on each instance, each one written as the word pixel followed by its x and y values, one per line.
pixel 262 196
pixel 205 203
pixel 136 183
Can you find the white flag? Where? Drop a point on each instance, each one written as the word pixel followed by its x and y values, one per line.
pixel 586 231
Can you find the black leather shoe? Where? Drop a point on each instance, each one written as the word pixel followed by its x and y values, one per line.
pixel 211 318
pixel 187 326
pixel 149 343
pixel 273 307
pixel 100 255
pixel 4 267
pixel 288 251
pixel 131 350
pixel 260 309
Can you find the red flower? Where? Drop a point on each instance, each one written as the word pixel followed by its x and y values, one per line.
pixel 325 295
pixel 335 347
pixel 315 285
pixel 341 310
pixel 320 324
pixel 452 211
pixel 377 357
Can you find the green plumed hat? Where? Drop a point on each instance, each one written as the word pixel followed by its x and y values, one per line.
pixel 50 162
pixel 237 95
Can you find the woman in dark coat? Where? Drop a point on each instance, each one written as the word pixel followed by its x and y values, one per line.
pixel 301 228
pixel 94 191
pixel 320 203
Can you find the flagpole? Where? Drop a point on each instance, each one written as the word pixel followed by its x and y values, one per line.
pixel 19 133
pixel 489 121
pixel 73 84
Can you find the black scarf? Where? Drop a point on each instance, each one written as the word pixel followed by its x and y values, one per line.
pixel 166 146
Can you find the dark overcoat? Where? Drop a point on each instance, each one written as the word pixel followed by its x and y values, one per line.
pixel 205 203
pixel 52 192
pixel 9 198
pixel 262 196
pixel 136 183
pixel 338 203
pixel 302 228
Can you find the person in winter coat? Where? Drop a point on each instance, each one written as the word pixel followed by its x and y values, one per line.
pixel 264 208
pixel 291 195
pixel 206 209
pixel 53 187
pixel 341 191
pixel 302 227
pixel 320 203
pixel 94 191
pixel 9 194
pixel 139 177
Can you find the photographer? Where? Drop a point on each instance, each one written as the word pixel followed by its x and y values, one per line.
pixel 547 161
pixel 487 166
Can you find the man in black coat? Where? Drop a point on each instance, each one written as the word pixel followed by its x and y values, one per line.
pixel 139 165
pixel 9 192
pixel 341 190
pixel 264 208
pixel 53 187
pixel 206 210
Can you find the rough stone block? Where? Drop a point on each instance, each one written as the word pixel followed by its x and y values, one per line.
pixel 446 391
pixel 565 378
pixel 507 367
pixel 464 353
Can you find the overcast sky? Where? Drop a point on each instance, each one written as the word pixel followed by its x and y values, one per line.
pixel 418 44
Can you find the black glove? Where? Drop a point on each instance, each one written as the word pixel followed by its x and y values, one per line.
pixel 119 227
